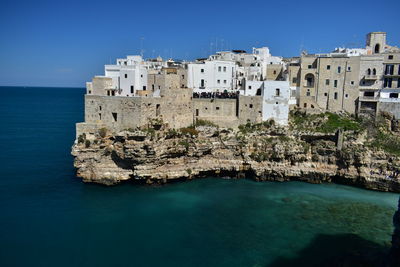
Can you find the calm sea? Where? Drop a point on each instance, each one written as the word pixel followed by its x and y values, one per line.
pixel 50 218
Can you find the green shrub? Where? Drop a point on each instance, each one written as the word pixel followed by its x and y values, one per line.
pixel 189 130
pixel 81 138
pixel 87 143
pixel 205 123
pixel 103 132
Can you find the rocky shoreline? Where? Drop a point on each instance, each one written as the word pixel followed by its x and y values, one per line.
pixel 261 152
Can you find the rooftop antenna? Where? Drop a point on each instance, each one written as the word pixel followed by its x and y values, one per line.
pixel 216 45
pixel 141 46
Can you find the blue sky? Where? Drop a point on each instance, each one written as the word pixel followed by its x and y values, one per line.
pixel 65 43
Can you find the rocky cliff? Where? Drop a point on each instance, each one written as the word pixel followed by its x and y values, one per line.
pixel 262 152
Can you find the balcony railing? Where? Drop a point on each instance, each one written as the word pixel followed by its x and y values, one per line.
pixel 371 77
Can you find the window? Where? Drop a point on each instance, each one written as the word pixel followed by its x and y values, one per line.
pixel 325 94
pixel 217 108
pixel 131 89
pixel 90 92
pixel 390 57
pixel 348 68
pixel 249 86
pixel 327 82
pixel 183 76
pixel 369 72
pixel 277 92
pixel 152 87
pixel 219 68
pixel 99 107
pixel 274 71
pixel 394 95
pixel 352 82
pixel 218 81
pixel 387 83
pixel 224 69
pixel 346 95
pixel 328 67
pixel 115 116
pixel 335 83
pixel 377 48
pixel 389 69
pixel 335 96
pixel 202 70
pixel 251 105
pixel 398 83
pixel 197 112
pixel 202 83
pixel 374 72
pixel 339 69
pixel 144 87
pixel 141 75
pixel 126 76
pixel 99 116
pixel 308 92
pixel 294 80
pixel 310 66
pixel 224 81
pixel 305 105
pixel 277 103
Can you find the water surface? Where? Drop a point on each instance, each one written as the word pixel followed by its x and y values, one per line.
pixel 50 218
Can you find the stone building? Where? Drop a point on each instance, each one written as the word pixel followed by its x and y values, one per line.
pixel 329 82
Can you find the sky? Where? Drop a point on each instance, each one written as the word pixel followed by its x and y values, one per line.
pixel 66 43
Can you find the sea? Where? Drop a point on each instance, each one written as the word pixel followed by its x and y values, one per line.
pixel 49 217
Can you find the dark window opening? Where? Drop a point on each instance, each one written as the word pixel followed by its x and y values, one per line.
pixel 327 82
pixel 339 69
pixel 390 57
pixel 217 108
pixel 277 92
pixel 115 116
pixel 328 67
pixel 335 96
pixel 99 116
pixel 394 95
pixel 374 72
pixel 305 105
pixel 126 75
pixel 369 94
pixel 335 83
pixel 197 112
pixel 377 48
pixel 251 105
pixel 99 107
pixel 144 87
pixel 369 72
pixel 131 89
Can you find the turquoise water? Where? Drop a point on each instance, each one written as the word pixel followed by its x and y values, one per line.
pixel 50 218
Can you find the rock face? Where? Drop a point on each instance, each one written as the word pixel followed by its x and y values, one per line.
pixel 265 153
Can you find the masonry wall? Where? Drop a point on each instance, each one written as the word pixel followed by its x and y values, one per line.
pixel 120 113
pixel 219 111
pixel 250 109
pixel 391 106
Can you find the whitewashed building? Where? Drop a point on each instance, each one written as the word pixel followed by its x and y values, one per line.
pixel 211 76
pixel 276 95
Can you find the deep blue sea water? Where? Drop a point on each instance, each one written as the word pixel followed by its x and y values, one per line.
pixel 50 218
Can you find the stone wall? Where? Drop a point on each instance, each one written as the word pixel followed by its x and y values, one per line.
pixel 219 111
pixel 120 113
pixel 392 107
pixel 250 109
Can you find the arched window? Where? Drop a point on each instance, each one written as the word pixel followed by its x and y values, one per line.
pixel 377 48
pixel 309 80
pixel 374 72
pixel 369 71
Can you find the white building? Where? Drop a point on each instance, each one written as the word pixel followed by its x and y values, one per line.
pixel 276 98
pixel 276 95
pixel 128 75
pixel 212 76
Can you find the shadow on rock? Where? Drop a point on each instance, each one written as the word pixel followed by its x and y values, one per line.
pixel 338 250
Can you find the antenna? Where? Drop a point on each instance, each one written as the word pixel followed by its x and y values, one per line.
pixel 141 46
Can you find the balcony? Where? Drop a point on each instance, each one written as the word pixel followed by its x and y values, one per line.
pixel 370 77
pixel 368 98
